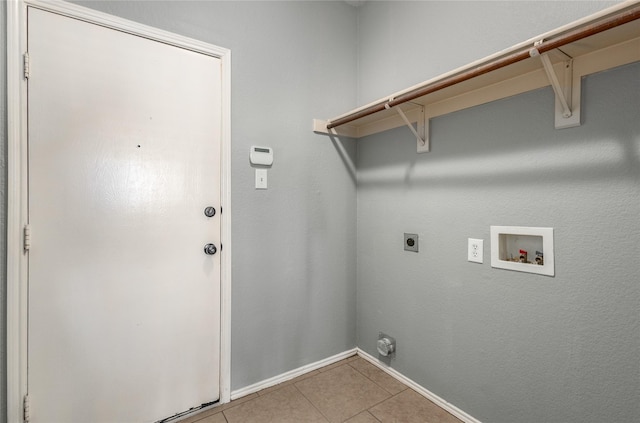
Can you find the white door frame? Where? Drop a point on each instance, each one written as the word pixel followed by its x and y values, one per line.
pixel 17 211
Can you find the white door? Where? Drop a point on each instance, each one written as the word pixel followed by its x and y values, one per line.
pixel 124 157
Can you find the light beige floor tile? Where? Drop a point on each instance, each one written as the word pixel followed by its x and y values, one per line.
pixel 388 383
pixel 200 416
pixel 286 405
pixel 411 407
pixel 216 418
pixel 364 417
pixel 218 409
pixel 289 382
pixel 341 393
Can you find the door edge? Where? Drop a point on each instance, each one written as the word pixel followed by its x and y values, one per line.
pixel 17 208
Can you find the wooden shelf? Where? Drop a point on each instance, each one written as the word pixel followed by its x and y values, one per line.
pixel 599 42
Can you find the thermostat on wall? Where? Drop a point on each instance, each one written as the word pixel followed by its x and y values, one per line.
pixel 261 156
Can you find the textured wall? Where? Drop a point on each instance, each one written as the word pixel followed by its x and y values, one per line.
pixel 293 294
pixel 501 345
pixel 403 43
pixel 504 346
pixel 293 299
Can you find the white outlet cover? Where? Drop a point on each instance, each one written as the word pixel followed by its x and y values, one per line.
pixel 475 250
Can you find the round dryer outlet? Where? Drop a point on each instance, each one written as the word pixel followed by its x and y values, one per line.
pixel 386 346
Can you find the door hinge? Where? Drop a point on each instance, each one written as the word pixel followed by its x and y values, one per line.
pixel 25 409
pixel 26 65
pixel 27 237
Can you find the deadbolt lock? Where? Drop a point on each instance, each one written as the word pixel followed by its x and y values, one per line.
pixel 210 249
pixel 210 211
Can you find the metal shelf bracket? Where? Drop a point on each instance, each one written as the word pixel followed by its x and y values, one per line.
pixel 566 115
pixel 421 130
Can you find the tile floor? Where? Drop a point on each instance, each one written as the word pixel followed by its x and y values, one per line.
pixel 352 391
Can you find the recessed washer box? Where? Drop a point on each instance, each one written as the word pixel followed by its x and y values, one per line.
pixel 523 249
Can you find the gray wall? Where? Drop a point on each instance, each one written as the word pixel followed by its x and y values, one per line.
pixel 293 296
pixel 293 244
pixel 503 346
pixel 403 43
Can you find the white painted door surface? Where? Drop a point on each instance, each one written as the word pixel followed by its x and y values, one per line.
pixel 124 156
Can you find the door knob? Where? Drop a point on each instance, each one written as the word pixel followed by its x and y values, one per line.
pixel 210 249
pixel 210 211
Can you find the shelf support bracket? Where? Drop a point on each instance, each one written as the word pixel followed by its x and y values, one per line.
pixel 420 132
pixel 565 115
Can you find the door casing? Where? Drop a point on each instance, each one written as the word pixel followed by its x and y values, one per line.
pixel 17 211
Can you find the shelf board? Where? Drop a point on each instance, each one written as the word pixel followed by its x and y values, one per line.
pixel 604 50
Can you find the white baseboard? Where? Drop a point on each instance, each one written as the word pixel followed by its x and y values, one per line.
pixel 421 390
pixel 239 393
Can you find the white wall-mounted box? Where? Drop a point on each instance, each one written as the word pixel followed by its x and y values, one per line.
pixel 522 248
pixel 261 156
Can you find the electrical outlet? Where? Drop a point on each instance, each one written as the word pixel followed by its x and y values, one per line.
pixel 411 242
pixel 475 250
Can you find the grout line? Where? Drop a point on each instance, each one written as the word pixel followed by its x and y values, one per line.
pixel 274 388
pixel 448 407
pixel 220 409
pixel 383 372
pixel 292 374
pixel 311 402
pixel 333 367
pixel 374 382
pixel 372 415
pixel 384 400
pixel 319 373
pixel 337 364
pixel 369 379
